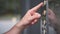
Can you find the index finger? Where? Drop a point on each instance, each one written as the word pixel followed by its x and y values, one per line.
pixel 37 7
pixel 50 11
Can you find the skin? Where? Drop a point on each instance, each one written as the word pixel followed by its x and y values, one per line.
pixel 30 18
pixel 54 21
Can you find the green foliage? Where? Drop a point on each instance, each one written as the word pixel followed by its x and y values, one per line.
pixel 9 6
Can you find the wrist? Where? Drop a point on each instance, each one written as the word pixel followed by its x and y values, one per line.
pixel 20 25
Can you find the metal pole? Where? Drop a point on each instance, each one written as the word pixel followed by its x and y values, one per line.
pixel 27 5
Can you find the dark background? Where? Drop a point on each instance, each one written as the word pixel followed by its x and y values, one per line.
pixel 20 7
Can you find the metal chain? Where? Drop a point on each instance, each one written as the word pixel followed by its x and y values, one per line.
pixel 45 18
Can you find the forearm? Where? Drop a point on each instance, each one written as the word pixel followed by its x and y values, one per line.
pixel 57 28
pixel 17 29
pixel 56 25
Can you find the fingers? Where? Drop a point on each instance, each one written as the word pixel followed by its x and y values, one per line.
pixel 35 16
pixel 34 21
pixel 50 12
pixel 34 9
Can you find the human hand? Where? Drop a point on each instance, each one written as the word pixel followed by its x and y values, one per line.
pixel 31 17
pixel 51 15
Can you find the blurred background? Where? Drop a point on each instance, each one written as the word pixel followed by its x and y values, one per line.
pixel 9 14
pixel 11 11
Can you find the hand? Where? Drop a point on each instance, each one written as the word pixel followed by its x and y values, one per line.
pixel 52 16
pixel 31 17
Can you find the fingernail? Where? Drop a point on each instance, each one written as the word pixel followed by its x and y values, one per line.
pixel 42 4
